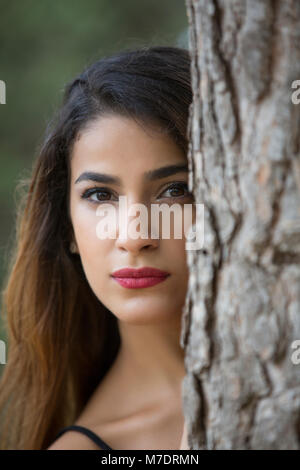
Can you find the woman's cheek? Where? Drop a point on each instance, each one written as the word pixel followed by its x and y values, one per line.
pixel 85 225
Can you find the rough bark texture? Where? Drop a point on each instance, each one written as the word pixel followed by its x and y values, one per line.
pixel 242 390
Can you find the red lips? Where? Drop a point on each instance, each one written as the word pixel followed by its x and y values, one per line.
pixel 140 272
pixel 139 278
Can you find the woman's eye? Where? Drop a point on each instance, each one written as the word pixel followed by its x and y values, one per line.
pixel 100 195
pixel 177 190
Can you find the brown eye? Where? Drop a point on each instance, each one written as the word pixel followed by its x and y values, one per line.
pixel 177 190
pixel 102 195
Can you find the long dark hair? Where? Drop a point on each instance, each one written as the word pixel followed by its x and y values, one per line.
pixel 61 339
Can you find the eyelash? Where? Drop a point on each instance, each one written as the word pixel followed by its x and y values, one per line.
pixel 96 190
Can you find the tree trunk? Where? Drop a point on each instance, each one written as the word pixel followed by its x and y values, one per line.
pixel 242 313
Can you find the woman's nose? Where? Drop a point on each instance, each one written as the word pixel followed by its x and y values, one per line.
pixel 134 231
pixel 136 245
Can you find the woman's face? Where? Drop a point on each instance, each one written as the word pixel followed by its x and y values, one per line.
pixel 119 148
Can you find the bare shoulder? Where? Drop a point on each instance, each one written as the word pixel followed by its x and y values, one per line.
pixel 73 440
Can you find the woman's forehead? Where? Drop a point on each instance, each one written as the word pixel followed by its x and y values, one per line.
pixel 119 144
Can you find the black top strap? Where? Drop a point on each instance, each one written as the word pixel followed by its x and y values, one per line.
pixel 74 427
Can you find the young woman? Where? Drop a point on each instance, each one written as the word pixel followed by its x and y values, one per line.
pixel 94 357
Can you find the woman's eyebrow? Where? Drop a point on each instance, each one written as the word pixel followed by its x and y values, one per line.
pixel 98 177
pixel 165 171
pixel 151 175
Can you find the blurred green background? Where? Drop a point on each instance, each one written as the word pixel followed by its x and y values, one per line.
pixel 43 45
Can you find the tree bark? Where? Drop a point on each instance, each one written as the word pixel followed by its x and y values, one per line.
pixel 242 312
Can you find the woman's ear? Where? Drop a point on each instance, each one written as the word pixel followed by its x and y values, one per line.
pixel 71 236
pixel 73 247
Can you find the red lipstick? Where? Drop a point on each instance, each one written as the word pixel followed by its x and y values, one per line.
pixel 139 278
